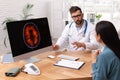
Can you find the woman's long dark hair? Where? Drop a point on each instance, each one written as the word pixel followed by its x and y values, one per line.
pixel 109 35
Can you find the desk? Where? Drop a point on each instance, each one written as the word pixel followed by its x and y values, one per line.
pixel 51 72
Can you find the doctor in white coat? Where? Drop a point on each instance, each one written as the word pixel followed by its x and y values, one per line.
pixel 79 34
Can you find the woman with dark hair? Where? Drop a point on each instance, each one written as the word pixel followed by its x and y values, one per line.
pixel 106 65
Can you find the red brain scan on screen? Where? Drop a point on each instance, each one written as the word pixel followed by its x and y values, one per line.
pixel 31 35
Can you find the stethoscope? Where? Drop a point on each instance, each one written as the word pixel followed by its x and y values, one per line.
pixel 86 24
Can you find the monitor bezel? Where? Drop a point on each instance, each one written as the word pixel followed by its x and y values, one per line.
pixel 34 52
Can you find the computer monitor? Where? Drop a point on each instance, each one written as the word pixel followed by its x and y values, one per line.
pixel 29 37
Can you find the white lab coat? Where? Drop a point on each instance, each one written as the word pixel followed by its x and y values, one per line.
pixel 71 34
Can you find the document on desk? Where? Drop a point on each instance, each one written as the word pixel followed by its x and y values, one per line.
pixel 69 64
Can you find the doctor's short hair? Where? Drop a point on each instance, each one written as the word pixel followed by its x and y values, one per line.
pixel 74 9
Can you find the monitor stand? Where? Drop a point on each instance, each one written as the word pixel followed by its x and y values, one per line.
pixel 27 58
pixel 7 58
pixel 32 60
pixel 31 56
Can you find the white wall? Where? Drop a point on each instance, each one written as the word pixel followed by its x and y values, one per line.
pixel 57 18
pixel 53 9
pixel 13 8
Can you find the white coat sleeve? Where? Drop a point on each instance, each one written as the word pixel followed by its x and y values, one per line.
pixel 64 36
pixel 92 44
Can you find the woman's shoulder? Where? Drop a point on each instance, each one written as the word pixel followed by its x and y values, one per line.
pixel 108 54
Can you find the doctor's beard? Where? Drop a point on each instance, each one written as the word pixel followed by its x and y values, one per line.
pixel 79 22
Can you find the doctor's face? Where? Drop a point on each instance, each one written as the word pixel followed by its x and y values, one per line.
pixel 77 17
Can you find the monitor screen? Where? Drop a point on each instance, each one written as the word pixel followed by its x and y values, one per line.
pixel 28 35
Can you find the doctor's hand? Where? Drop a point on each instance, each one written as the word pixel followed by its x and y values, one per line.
pixel 78 45
pixel 55 47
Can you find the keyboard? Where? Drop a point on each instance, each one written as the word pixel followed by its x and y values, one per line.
pixel 68 57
